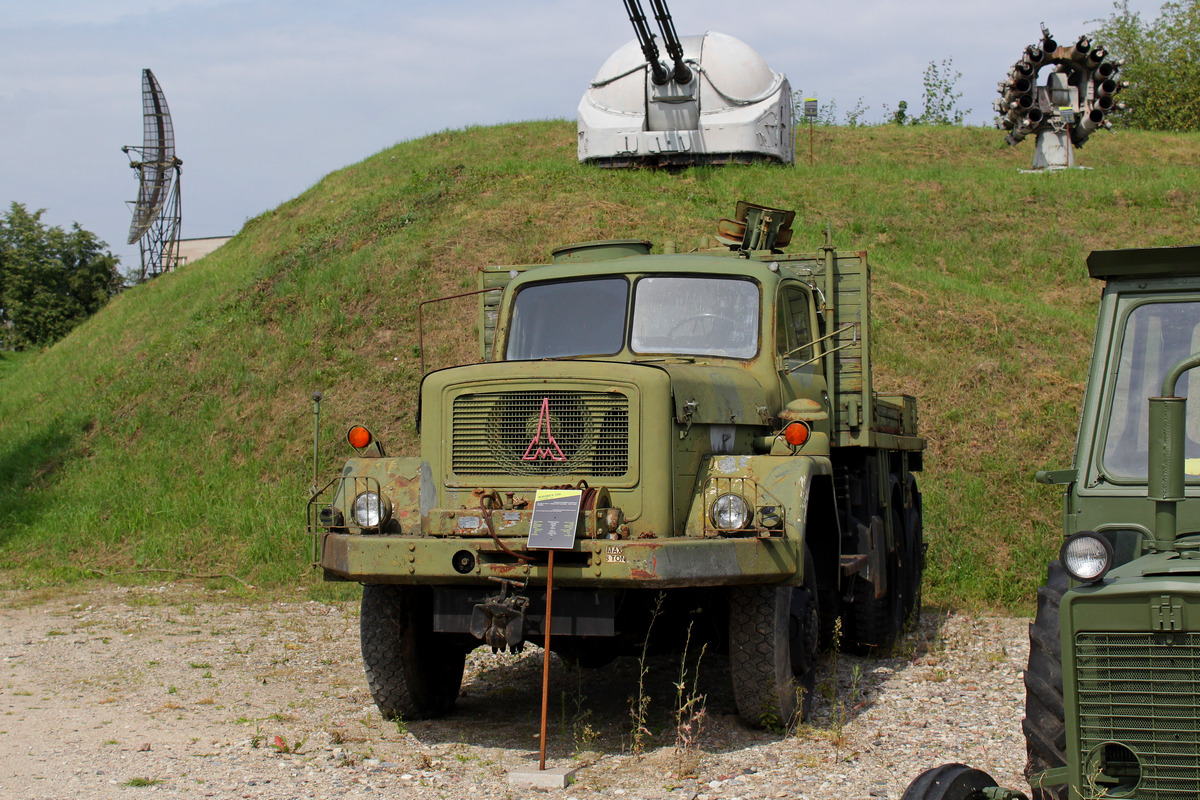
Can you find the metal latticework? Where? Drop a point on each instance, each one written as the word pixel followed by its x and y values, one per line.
pixel 1141 691
pixel 157 209
pixel 541 433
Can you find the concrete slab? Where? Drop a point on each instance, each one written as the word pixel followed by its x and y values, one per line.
pixel 534 778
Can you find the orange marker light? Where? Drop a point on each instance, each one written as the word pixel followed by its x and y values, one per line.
pixel 796 434
pixel 359 437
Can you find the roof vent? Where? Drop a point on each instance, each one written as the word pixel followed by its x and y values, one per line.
pixel 600 251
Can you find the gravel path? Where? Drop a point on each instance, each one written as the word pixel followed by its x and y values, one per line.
pixel 173 691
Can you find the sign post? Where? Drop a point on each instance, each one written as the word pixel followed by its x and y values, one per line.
pixel 1069 119
pixel 552 527
pixel 810 111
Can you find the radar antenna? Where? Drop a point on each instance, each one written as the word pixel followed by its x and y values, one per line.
pixel 156 211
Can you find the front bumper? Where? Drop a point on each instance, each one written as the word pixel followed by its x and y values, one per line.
pixel 610 563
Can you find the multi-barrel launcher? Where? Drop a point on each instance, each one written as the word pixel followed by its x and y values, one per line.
pixel 1076 99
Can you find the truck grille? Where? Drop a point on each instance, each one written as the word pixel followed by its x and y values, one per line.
pixel 1142 690
pixel 541 433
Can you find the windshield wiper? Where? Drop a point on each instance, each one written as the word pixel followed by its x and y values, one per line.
pixel 685 359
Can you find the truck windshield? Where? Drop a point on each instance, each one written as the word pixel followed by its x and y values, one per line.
pixel 1156 337
pixel 568 318
pixel 700 316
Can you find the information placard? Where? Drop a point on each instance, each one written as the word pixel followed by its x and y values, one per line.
pixel 555 518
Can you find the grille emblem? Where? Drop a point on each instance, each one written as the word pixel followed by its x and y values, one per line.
pixel 538 451
pixel 1166 613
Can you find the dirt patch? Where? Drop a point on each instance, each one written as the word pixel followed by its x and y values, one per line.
pixel 182 692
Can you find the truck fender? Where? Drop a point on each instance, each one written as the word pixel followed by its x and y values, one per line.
pixel 767 480
pixel 406 482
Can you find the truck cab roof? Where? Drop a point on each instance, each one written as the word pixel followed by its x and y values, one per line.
pixel 1145 262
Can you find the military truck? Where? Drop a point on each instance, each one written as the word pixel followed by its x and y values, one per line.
pixel 1113 685
pixel 741 478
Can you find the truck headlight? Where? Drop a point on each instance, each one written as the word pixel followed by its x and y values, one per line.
pixel 1087 556
pixel 729 512
pixel 372 510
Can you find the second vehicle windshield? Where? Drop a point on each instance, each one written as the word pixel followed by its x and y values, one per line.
pixel 685 315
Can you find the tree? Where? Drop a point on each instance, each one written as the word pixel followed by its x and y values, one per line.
pixel 941 99
pixel 50 279
pixel 1162 64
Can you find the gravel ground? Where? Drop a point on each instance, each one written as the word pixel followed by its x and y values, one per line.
pixel 174 691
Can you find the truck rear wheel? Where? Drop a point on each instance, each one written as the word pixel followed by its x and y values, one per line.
pixel 913 566
pixel 413 672
pixel 773 640
pixel 875 623
pixel 1045 734
pixel 949 782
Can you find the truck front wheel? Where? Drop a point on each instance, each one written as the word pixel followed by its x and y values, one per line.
pixel 413 673
pixel 773 640
pixel 1045 735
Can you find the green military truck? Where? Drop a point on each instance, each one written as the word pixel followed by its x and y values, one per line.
pixel 1112 704
pixel 738 470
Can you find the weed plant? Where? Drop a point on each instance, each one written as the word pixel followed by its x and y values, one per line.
pixel 690 712
pixel 639 705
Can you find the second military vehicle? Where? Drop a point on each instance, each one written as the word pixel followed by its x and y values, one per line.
pixel 737 468
pixel 1112 704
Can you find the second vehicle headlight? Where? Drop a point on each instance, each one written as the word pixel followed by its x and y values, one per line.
pixel 371 509
pixel 1086 556
pixel 729 512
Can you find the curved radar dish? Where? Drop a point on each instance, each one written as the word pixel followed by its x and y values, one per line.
pixel 1079 93
pixel 715 102
pixel 156 211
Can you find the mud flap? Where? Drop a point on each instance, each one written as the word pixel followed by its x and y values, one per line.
pixel 873 541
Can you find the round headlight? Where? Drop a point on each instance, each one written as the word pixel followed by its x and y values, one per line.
pixel 1087 556
pixel 371 510
pixel 729 512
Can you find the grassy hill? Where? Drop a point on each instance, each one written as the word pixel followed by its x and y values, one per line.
pixel 174 429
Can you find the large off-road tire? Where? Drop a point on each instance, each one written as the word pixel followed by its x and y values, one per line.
pixel 875 623
pixel 413 673
pixel 912 569
pixel 773 646
pixel 1045 734
pixel 949 782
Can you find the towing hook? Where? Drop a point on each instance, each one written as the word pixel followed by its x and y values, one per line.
pixel 500 620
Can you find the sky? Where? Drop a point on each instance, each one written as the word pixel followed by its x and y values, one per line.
pixel 269 96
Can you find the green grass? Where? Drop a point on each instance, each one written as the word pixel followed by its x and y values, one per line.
pixel 173 429
pixel 10 360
